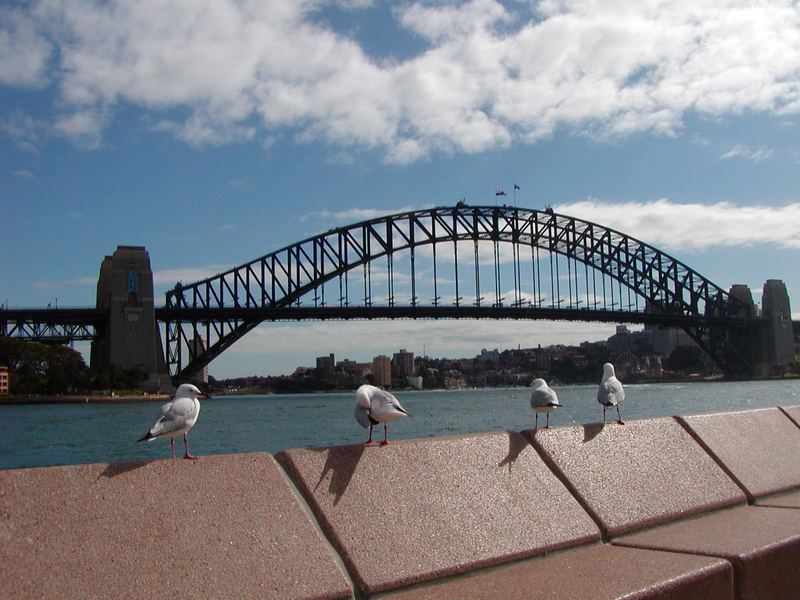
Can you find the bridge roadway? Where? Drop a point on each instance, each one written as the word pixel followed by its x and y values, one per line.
pixel 75 323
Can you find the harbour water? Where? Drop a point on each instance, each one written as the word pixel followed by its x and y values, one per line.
pixel 57 434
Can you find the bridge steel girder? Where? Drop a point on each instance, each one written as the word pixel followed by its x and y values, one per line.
pixel 52 325
pixel 223 308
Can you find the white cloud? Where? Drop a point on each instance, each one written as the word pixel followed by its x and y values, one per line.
pixel 23 174
pixel 672 226
pixel 24 53
pixel 84 128
pixel 25 131
pixel 451 21
pixel 488 73
pixel 755 154
pixel 351 215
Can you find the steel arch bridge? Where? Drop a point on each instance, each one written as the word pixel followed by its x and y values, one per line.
pixel 456 262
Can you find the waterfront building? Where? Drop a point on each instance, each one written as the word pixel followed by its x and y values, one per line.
pixel 490 355
pixel 622 341
pixel 666 339
pixel 5 386
pixel 382 371
pixel 402 368
pixel 325 365
pixel 402 365
pixel 414 381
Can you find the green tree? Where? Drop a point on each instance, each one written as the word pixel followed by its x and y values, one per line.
pixel 37 368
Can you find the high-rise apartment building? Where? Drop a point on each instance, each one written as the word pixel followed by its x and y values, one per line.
pixel 382 371
pixel 402 365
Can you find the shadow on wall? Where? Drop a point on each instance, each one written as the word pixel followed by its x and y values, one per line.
pixel 341 461
pixel 516 444
pixel 115 469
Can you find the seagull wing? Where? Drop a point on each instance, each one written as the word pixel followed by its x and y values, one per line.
pixel 383 403
pixel 610 392
pixel 362 416
pixel 544 396
pixel 174 416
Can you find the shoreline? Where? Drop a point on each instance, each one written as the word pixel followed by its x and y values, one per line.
pixel 81 399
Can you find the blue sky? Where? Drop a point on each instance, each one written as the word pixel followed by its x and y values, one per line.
pixel 215 131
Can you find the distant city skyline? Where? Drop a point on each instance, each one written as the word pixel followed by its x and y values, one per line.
pixel 215 131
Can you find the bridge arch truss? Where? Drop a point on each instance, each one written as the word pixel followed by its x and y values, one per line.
pixel 453 262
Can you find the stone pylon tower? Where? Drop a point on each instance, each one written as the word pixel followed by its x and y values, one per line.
pixel 131 338
pixel 776 310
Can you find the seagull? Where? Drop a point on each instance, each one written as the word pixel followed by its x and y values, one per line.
pixel 543 399
pixel 177 417
pixel 610 393
pixel 373 406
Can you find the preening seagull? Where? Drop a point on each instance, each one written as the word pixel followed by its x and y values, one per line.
pixel 373 406
pixel 543 399
pixel 177 417
pixel 610 393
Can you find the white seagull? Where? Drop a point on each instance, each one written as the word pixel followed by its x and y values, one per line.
pixel 177 417
pixel 610 393
pixel 373 406
pixel 543 399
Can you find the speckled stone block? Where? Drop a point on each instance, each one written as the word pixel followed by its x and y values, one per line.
pixel 425 508
pixel 218 527
pixel 598 572
pixel 759 448
pixel 636 475
pixel 789 500
pixel 763 544
pixel 793 412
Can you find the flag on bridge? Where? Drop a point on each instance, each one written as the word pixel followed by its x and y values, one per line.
pixel 499 193
pixel 516 187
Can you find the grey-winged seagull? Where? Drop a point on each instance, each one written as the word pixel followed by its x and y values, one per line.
pixel 373 406
pixel 610 393
pixel 543 399
pixel 177 417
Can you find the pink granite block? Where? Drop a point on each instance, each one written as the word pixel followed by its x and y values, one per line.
pixel 789 500
pixel 425 508
pixel 218 527
pixel 597 572
pixel 636 475
pixel 793 413
pixel 758 448
pixel 763 544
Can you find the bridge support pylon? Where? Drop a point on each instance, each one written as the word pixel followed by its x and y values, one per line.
pixel 131 337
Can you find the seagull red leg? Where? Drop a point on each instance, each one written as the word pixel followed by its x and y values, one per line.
pixel 385 435
pixel 619 417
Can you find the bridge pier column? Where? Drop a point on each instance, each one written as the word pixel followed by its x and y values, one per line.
pixel 131 338
pixel 779 334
